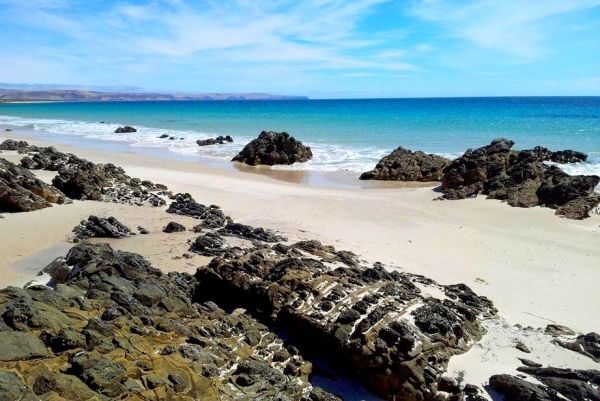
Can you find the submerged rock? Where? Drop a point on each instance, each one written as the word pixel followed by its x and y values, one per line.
pixel 405 165
pixel 273 148
pixel 22 191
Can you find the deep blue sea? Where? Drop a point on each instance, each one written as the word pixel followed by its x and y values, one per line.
pixel 350 135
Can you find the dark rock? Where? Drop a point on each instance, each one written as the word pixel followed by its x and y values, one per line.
pixel 558 330
pixel 220 140
pixel 185 204
pixel 125 130
pixel 273 148
pixel 405 165
pixel 515 389
pixel 520 179
pixel 174 227
pixel 522 347
pixel 248 232
pixel 21 191
pixel 528 362
pixel 588 345
pixel 163 136
pixel 209 244
pixel 100 227
pixel 11 144
pixel 143 231
pixel 571 384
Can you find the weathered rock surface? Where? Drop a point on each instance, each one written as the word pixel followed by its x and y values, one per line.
pixel 558 384
pixel 125 130
pixel 220 140
pixel 117 328
pixel 247 232
pixel 375 325
pixel 11 144
pixel 273 148
pixel 210 244
pixel 212 216
pixel 405 165
pixel 174 227
pixel 100 227
pixel 560 156
pixel 48 158
pixel 21 191
pixel 588 345
pixel 520 179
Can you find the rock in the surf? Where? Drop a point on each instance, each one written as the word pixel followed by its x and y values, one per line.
pixel 272 148
pixel 405 165
pixel 220 140
pixel 125 130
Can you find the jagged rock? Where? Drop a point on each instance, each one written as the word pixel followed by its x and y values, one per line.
pixel 133 333
pixel 210 244
pixel 142 230
pixel 174 227
pixel 212 217
pixel 21 191
pixel 588 345
pixel 516 389
pixel 354 317
pixel 248 232
pixel 560 156
pixel 11 144
pixel 570 383
pixel 163 136
pixel 520 179
pixel 100 227
pixel 405 165
pixel 558 330
pixel 125 130
pixel 220 140
pixel 273 148
pixel 50 159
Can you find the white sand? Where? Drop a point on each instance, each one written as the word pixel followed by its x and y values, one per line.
pixel 537 268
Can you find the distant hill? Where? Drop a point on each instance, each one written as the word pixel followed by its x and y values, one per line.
pixel 15 95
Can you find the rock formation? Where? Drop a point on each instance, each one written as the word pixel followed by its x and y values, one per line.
pixel 374 325
pixel 405 165
pixel 98 227
pixel 174 227
pixel 220 140
pixel 212 216
pixel 588 345
pixel 21 191
pixel 251 233
pixel 273 148
pixel 11 144
pixel 520 179
pixel 116 328
pixel 125 130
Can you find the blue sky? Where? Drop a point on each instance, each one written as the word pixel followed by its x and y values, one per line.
pixel 318 48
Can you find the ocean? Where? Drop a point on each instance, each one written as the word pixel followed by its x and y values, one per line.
pixel 345 135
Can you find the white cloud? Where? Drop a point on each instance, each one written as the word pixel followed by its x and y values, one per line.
pixel 514 26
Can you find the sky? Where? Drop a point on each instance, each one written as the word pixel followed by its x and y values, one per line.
pixel 317 48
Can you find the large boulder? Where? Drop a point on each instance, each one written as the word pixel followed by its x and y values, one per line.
pixel 22 191
pixel 11 144
pixel 273 148
pixel 405 165
pixel 521 179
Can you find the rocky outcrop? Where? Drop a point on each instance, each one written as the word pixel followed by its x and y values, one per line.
pixel 588 345
pixel 21 191
pixel 376 326
pixel 49 158
pixel 557 384
pixel 11 144
pixel 117 328
pixel 98 227
pixel 520 179
pixel 405 165
pixel 125 130
pixel 212 216
pixel 174 227
pixel 560 156
pixel 273 148
pixel 247 232
pixel 220 140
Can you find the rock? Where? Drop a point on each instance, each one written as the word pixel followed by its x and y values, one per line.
pixel 560 156
pixel 522 347
pixel 163 136
pixel 520 179
pixel 528 362
pixel 212 217
pixel 134 333
pixel 174 227
pixel 558 330
pixel 8 129
pixel 515 389
pixel 209 244
pixel 21 191
pixel 273 148
pixel 143 231
pixel 125 130
pixel 356 318
pixel 19 346
pixel 220 140
pixel 49 158
pixel 11 386
pixel 405 165
pixel 247 232
pixel 11 144
pixel 588 345
pixel 570 383
pixel 100 227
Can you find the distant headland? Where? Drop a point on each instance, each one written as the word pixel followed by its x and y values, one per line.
pixel 15 95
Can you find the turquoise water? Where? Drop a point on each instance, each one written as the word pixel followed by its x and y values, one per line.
pixel 349 135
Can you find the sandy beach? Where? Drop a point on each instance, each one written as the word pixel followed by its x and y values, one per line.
pixel 537 268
